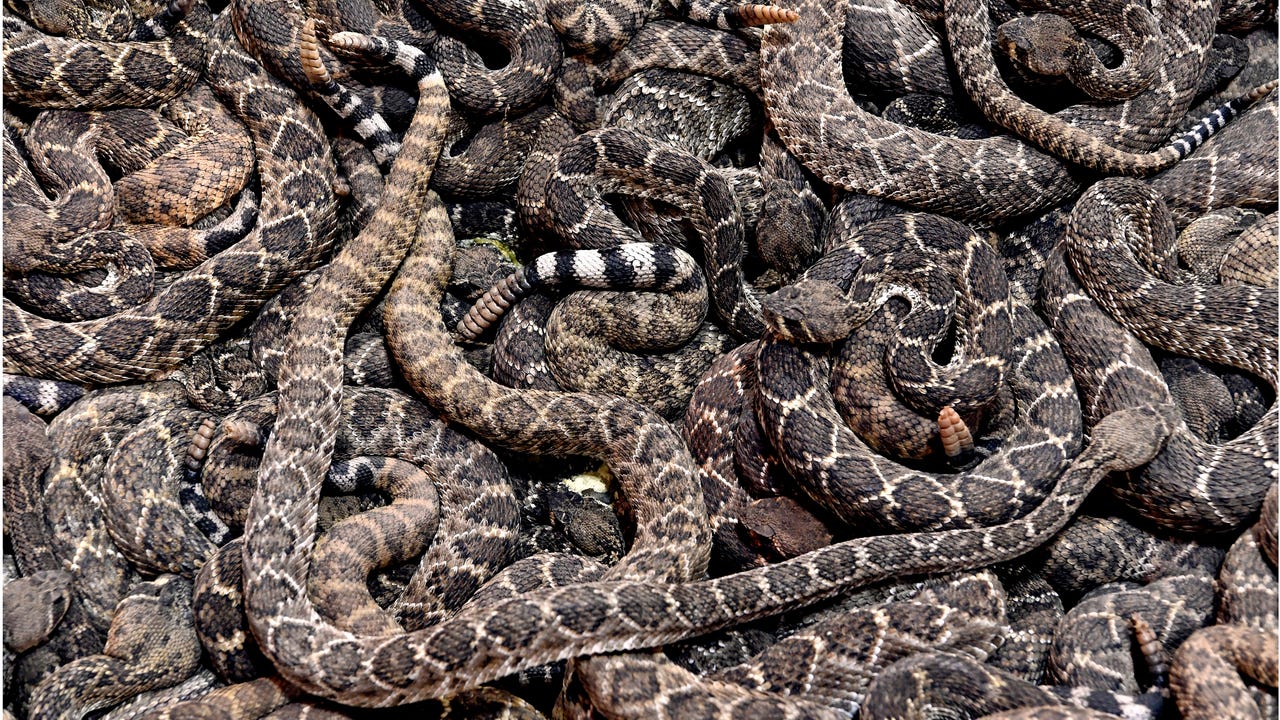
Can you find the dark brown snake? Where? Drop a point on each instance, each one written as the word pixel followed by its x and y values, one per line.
pixel 837 468
pixel 334 642
pixel 471 648
pixel 152 643
pixel 1093 339
pixel 296 223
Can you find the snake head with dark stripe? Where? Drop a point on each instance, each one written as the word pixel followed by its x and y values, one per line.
pixel 810 311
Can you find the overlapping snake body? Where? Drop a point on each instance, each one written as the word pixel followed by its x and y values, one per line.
pixel 931 348
pixel 796 407
pixel 295 227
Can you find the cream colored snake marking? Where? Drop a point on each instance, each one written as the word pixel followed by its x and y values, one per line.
pixel 614 614
pixel 296 224
pixel 113 509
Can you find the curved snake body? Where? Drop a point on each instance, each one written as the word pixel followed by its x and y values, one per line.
pixel 296 223
pixel 292 619
pixel 446 658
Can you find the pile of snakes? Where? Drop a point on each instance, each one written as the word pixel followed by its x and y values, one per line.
pixel 640 359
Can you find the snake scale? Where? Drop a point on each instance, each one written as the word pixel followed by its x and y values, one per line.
pixel 296 222
pixel 833 374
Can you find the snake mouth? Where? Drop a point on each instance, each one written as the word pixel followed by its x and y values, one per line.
pixel 809 311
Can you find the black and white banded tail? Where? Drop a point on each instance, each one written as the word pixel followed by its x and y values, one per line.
pixel 235 226
pixel 729 15
pixel 1218 119
pixel 630 266
pixel 42 396
pixel 367 123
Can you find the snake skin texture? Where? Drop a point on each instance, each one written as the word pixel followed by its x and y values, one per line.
pixel 655 359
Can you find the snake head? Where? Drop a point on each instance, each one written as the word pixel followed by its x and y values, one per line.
pixel 809 311
pixel 33 607
pixel 1131 437
pixel 1044 43
pixel 153 623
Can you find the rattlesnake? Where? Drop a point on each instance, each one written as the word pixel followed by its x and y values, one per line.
pixel 951 684
pixel 54 72
pixel 27 445
pixel 193 179
pixel 1232 170
pixel 152 644
pixel 296 223
pixel 248 552
pixel 883 380
pixel 82 203
pixel 580 345
pixel 991 179
pixel 853 149
pixel 1048 43
pixel 838 470
pixel 479 513
pixel 1206 684
pixel 36 603
pixel 142 480
pixel 1147 117
pixel 657 593
pixel 455 654
pixel 1202 674
pixel 1094 644
pixel 83 438
pixel 838 658
pixel 168 180
pixel 656 107
pixel 1093 341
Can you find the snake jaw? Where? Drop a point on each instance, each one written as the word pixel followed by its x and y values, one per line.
pixel 809 311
